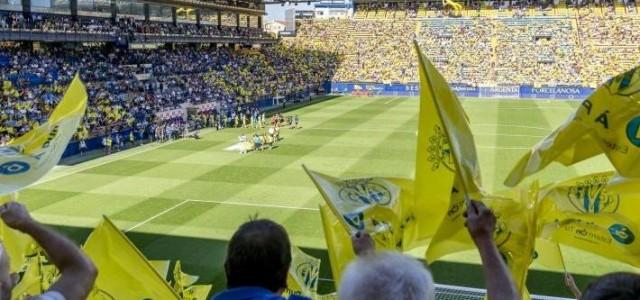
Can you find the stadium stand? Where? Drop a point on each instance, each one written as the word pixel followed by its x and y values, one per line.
pixel 499 47
pixel 129 87
pixel 369 50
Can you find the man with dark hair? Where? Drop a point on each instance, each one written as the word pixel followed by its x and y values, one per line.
pixel 620 286
pixel 258 260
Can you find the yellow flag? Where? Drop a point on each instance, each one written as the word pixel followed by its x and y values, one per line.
pixel 38 276
pixel 339 246
pixel 31 281
pixel 515 227
pixel 184 285
pixel 609 235
pixel 29 157
pixel 606 122
pixel 16 244
pixel 455 124
pixel 123 272
pixel 182 281
pixel 593 194
pixel 548 254
pixel 373 205
pixel 303 274
pixel 434 170
pixel 596 213
pixel 161 266
pixel 451 236
pixel 197 292
pixel 514 235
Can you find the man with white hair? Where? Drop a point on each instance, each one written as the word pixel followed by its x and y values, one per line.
pixel 392 275
pixel 385 275
pixel 77 272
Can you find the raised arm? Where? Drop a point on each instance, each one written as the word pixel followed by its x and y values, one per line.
pixel 570 283
pixel 363 244
pixel 77 272
pixel 481 223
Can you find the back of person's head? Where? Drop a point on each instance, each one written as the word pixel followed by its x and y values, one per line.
pixel 614 286
pixel 259 255
pixel 386 275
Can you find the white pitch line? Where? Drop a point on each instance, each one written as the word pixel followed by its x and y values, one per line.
pixel 157 215
pixel 253 205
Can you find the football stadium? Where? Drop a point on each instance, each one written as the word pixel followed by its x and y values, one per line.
pixel 365 149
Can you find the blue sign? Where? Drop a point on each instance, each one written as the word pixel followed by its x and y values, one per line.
pixel 555 92
pixel 463 90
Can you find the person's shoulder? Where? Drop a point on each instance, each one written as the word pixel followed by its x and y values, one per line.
pixel 252 293
pixel 49 295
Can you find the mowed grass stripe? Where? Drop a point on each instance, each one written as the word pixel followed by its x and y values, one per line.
pixel 124 185
pixel 302 235
pixel 253 177
pixel 152 188
pixel 255 191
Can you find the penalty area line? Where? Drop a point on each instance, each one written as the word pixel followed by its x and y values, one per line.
pixel 156 215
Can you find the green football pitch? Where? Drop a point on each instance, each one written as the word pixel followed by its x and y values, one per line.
pixel 184 199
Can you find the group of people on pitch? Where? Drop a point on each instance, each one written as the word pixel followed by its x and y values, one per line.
pixel 259 257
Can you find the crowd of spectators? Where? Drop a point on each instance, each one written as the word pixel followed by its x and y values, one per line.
pixel 582 49
pixel 460 60
pixel 369 50
pixel 610 44
pixel 124 25
pixel 129 88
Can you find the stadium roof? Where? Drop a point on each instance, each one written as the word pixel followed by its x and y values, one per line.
pixel 239 6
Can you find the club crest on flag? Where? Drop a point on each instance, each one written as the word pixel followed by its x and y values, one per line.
pixel 365 191
pixel 439 150
pixel 355 220
pixel 307 272
pixel 622 234
pixel 591 196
